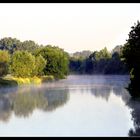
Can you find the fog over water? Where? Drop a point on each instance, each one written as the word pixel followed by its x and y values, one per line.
pixel 81 105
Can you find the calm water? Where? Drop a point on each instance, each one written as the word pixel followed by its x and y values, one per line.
pixel 77 106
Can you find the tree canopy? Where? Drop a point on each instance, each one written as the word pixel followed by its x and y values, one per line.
pixel 98 62
pixel 131 55
pixel 57 60
pixel 9 44
pixel 30 59
pixel 22 64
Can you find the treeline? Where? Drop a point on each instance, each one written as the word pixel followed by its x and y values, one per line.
pixel 98 62
pixel 28 59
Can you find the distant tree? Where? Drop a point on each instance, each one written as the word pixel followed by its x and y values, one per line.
pixel 115 65
pixel 103 54
pixel 98 62
pixel 22 64
pixel 75 65
pixel 117 49
pixel 4 62
pixel 83 54
pixel 9 44
pixel 131 55
pixel 28 45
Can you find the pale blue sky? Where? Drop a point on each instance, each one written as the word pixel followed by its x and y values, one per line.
pixel 73 27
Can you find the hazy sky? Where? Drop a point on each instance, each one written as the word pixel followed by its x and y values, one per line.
pixel 74 27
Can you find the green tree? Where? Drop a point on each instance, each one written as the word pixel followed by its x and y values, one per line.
pixel 103 54
pixel 40 64
pixel 9 44
pixel 57 60
pixel 28 45
pixel 4 62
pixel 99 62
pixel 22 64
pixel 131 55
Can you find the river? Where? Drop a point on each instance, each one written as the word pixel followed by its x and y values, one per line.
pixel 81 105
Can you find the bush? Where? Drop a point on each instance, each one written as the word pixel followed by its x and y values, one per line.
pixel 23 64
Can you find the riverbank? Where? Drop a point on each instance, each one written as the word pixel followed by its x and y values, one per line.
pixel 15 81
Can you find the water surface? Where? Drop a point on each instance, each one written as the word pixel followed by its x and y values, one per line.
pixel 81 105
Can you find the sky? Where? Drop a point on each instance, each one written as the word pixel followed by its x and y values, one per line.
pixel 73 26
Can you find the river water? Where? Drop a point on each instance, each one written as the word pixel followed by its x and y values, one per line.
pixel 81 105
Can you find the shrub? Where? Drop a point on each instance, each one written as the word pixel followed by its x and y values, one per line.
pixel 22 64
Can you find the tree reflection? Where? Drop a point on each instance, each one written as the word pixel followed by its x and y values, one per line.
pixel 121 92
pixel 25 100
pixel 101 91
pixel 5 109
pixel 56 98
pixel 134 104
pixel 25 103
pixel 104 92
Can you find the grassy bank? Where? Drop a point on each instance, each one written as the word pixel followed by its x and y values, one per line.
pixel 14 81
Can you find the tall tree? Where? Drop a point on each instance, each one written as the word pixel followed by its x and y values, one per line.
pixel 131 55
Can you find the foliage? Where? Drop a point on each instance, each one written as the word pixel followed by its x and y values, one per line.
pixel 57 60
pixel 40 64
pixel 9 44
pixel 13 44
pixel 131 55
pixel 4 62
pixel 22 64
pixel 99 62
pixel 28 45
pixel 102 54
pixel 29 59
pixel 115 65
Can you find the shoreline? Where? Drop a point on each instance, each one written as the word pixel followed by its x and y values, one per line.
pixel 17 81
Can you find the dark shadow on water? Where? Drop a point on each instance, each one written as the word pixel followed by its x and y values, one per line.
pixel 134 104
pixel 7 83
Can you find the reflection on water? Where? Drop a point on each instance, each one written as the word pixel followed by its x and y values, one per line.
pixel 88 106
pixel 24 100
pixel 134 104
